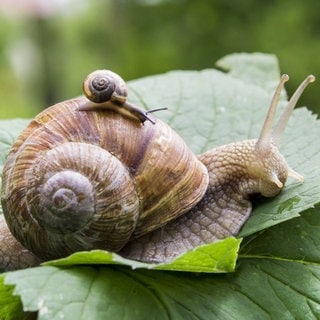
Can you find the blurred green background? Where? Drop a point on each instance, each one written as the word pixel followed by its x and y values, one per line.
pixel 47 47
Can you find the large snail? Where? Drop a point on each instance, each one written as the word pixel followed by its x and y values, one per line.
pixel 100 173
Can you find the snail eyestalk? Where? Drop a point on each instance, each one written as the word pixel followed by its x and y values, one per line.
pixel 267 135
pixel 136 112
pixel 271 138
pixel 295 175
pixel 277 133
pixel 152 111
pixel 264 139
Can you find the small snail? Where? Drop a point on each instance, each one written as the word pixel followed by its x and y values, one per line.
pixel 105 89
pixel 80 177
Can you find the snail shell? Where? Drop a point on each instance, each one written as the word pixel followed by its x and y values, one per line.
pixel 104 85
pixel 79 180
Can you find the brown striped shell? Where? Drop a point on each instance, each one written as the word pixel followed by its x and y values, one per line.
pixel 77 180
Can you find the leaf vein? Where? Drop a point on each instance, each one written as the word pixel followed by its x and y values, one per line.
pixel 290 286
pixel 255 302
pixel 151 291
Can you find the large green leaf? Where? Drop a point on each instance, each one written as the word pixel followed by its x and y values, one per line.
pixel 278 270
pixel 269 283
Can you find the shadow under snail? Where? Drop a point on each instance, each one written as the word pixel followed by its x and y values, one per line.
pixel 80 177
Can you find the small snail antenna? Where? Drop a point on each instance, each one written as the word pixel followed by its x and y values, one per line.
pixel 152 111
pixel 157 109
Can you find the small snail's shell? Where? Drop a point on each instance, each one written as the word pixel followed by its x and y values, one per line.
pixel 104 85
pixel 78 180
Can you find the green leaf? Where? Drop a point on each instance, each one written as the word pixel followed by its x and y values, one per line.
pixel 299 242
pixel 10 305
pixel 255 68
pixel 278 270
pixel 266 285
pixel 220 256
pixel 9 130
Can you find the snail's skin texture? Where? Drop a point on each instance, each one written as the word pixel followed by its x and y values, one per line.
pixel 12 254
pixel 224 208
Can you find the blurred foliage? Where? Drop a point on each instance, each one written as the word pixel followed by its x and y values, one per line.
pixel 43 58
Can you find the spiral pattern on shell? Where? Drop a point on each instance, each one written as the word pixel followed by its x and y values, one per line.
pixel 77 180
pixel 104 85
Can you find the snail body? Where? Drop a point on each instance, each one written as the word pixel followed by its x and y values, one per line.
pixel 80 178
